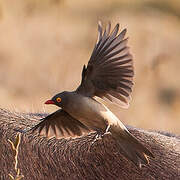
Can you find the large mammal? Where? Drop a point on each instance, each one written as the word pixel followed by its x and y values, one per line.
pixel 40 158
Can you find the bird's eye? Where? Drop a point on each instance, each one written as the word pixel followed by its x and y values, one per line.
pixel 58 99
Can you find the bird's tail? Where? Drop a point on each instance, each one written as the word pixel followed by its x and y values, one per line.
pixel 132 149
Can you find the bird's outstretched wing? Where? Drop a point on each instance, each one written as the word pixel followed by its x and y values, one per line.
pixel 61 125
pixel 109 73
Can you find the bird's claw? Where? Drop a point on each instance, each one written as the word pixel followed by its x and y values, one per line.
pixel 106 133
pixel 100 135
pixel 96 138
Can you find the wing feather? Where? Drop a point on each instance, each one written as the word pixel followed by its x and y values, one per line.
pixel 109 73
pixel 61 125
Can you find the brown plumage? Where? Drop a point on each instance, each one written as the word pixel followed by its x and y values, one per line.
pixel 108 75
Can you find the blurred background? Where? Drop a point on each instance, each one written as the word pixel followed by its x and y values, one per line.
pixel 45 43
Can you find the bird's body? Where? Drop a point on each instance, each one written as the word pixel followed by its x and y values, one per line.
pixel 89 111
pixel 109 76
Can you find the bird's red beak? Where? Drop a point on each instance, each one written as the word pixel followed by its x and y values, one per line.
pixel 49 102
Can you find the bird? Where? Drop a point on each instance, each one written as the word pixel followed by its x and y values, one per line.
pixel 107 76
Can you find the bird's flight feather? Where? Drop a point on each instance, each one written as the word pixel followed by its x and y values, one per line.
pixel 61 125
pixel 109 73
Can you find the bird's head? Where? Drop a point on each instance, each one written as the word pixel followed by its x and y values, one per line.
pixel 58 99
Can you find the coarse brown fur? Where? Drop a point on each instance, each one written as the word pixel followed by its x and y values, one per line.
pixel 44 159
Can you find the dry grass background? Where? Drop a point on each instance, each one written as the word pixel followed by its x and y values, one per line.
pixel 45 43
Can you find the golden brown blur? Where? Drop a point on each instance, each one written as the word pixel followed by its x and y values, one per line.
pixel 44 45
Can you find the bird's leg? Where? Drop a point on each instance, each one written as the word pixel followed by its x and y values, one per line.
pixel 100 134
pixel 107 130
pixel 97 137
